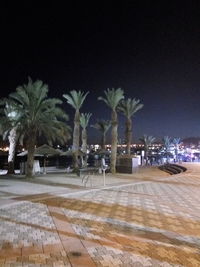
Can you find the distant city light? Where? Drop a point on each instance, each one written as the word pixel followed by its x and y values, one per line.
pixel 5 149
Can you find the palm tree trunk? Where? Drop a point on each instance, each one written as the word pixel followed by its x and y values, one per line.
pixel 84 146
pixel 103 141
pixel 146 155
pixel 76 137
pixel 128 135
pixel 114 136
pixel 30 148
pixel 12 145
pixel 84 141
pixel 176 154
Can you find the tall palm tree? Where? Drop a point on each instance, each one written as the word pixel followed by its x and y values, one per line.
pixel 39 115
pixel 166 145
pixel 76 99
pixel 84 121
pixel 147 140
pixel 9 129
pixel 176 141
pixel 129 107
pixel 103 126
pixel 112 99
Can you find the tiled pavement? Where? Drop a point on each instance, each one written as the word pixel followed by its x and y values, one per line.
pixel 153 220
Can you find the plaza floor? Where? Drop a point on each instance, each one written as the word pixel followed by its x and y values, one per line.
pixel 146 219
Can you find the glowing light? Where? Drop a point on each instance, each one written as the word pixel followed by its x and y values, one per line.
pixel 5 149
pixel 96 147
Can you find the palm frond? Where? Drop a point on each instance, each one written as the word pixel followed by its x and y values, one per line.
pixel 176 141
pixel 130 106
pixel 102 125
pixel 37 112
pixel 84 119
pixel 167 141
pixel 75 98
pixel 147 140
pixel 112 97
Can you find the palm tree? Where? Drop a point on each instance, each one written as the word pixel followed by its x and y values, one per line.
pixel 84 121
pixel 9 129
pixel 103 126
pixel 76 99
pixel 129 107
pixel 147 141
pixel 39 115
pixel 166 145
pixel 176 142
pixel 112 99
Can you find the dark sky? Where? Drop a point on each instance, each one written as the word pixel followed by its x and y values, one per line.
pixel 152 51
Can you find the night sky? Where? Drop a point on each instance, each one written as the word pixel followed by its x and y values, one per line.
pixel 150 51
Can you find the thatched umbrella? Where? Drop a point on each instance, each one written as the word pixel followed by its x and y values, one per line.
pixel 43 151
pixel 70 153
pixel 25 153
pixel 46 151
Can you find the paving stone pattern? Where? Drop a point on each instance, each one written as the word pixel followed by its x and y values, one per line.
pixel 151 222
pixel 27 224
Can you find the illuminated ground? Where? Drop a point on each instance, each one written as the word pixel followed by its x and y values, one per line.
pixel 152 219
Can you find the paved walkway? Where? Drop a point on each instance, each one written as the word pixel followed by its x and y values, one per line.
pixel 145 219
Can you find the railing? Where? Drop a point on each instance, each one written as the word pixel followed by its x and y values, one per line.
pixel 85 174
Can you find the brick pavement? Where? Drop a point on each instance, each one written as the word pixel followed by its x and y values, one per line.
pixel 154 221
